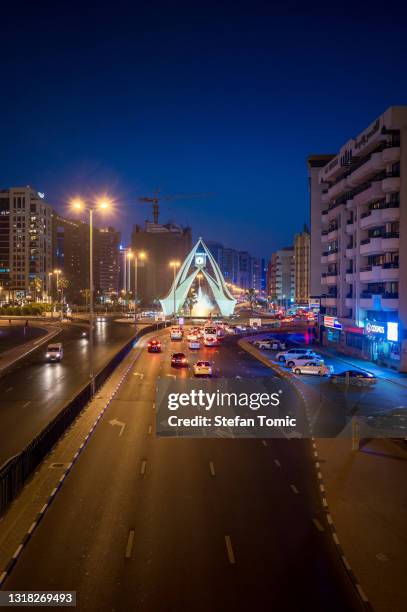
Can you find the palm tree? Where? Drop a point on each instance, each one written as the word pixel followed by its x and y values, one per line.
pixel 251 296
pixel 190 302
pixel 86 295
pixel 36 287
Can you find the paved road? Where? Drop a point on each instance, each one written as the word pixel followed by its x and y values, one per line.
pixel 15 335
pixel 153 524
pixel 34 391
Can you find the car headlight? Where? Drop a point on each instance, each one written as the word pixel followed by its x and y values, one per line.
pixel 47 355
pixel 58 355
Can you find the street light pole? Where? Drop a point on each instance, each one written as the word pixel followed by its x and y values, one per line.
pixel 91 368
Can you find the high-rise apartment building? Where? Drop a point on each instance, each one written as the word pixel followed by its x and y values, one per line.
pixel 109 264
pixel 302 244
pixel 162 244
pixel 281 277
pixel 25 242
pixel 361 195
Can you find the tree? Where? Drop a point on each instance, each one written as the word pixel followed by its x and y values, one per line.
pixel 251 296
pixel 36 287
pixel 86 295
pixel 190 302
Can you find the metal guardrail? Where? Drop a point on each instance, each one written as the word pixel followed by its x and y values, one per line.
pixel 16 471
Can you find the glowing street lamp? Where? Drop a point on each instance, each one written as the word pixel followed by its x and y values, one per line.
pixel 174 265
pixel 80 205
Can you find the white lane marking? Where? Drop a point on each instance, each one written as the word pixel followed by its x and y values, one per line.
pixel 229 550
pixel 318 525
pixel 114 422
pixel 294 489
pixel 264 442
pixel 9 389
pixel 212 468
pixel 150 427
pixel 361 593
pixel 19 549
pixel 143 467
pixel 27 404
pixel 276 461
pixel 335 539
pixel 139 374
pixel 33 526
pixel 129 545
pixel 2 577
pixel 153 405
pixel 170 376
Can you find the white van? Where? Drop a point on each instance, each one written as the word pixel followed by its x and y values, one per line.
pixel 55 352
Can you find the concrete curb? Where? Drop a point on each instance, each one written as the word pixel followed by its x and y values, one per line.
pixel 35 345
pixel 315 458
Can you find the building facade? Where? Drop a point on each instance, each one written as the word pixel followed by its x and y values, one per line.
pixel 362 195
pixel 162 244
pixel 302 243
pixel 281 277
pixel 109 262
pixel 25 243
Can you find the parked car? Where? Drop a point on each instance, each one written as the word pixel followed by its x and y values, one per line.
pixel 154 346
pixel 269 345
pixel 179 360
pixel 361 378
pixel 313 367
pixel 293 353
pixel 55 352
pixel 202 368
pixel 293 361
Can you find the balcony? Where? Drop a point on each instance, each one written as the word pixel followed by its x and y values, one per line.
pixel 349 203
pixel 391 155
pixel 325 197
pixel 378 216
pixel 379 244
pixel 329 278
pixel 373 192
pixel 349 302
pixel 349 277
pixel 324 236
pixel 329 256
pixel 391 184
pixel 333 234
pixel 350 252
pixel 372 166
pixel 385 301
pixel 337 188
pixel 390 302
pixel 328 300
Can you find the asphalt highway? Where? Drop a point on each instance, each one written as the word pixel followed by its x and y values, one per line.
pixel 154 524
pixel 16 334
pixel 34 391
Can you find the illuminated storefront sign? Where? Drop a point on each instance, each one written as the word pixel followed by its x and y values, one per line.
pixel 375 328
pixel 392 332
pixel 332 322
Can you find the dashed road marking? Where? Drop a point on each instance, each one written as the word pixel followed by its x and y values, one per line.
pixel 212 468
pixel 129 545
pixel 294 489
pixel 150 427
pixel 229 550
pixel 264 442
pixel 9 389
pixel 143 467
pixel 27 404
pixel 276 461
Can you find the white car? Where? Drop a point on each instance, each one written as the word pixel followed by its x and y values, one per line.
pixel 202 368
pixel 313 367
pixel 230 329
pixel 269 345
pixel 293 354
pixel 192 336
pixel 294 361
pixel 55 352
pixel 194 344
pixel 176 333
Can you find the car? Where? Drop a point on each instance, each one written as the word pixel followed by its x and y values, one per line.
pixel 269 344
pixel 179 360
pixel 360 378
pixel 194 344
pixel 154 346
pixel 293 361
pixel 55 352
pixel 202 368
pixel 176 333
pixel 192 336
pixel 230 329
pixel 312 367
pixel 240 327
pixel 293 354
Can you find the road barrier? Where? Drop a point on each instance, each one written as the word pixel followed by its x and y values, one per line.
pixel 15 472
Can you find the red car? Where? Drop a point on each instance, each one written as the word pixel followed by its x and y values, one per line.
pixel 154 346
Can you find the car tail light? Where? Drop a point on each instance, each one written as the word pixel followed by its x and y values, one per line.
pixel 183 360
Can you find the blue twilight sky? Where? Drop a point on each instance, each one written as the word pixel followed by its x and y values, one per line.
pixel 220 97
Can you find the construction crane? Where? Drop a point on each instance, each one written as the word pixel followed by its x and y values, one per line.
pixel 155 199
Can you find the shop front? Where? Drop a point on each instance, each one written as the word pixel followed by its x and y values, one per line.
pixel 382 343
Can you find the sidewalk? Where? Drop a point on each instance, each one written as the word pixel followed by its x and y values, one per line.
pixel 367 498
pixel 363 364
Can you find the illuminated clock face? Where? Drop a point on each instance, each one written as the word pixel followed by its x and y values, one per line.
pixel 200 260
